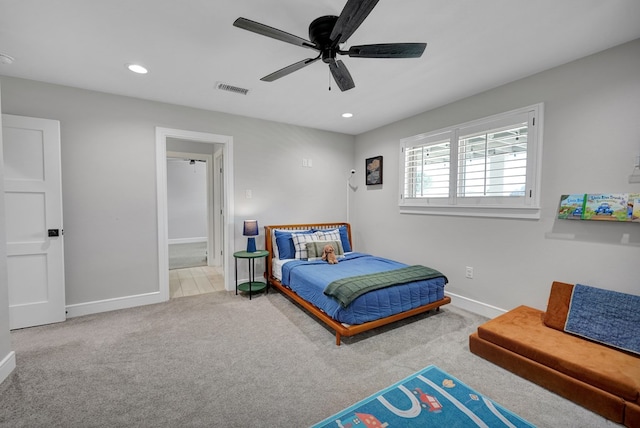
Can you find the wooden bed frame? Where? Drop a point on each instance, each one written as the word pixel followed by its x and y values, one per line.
pixel 338 327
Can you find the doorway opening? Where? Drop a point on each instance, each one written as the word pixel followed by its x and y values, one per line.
pixel 216 152
pixel 194 265
pixel 190 194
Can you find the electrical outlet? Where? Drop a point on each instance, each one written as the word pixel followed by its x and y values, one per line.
pixel 469 272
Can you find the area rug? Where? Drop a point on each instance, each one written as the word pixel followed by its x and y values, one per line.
pixel 429 398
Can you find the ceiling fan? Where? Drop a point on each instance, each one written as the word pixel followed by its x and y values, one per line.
pixel 326 34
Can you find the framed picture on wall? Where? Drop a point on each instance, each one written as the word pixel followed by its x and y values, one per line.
pixel 373 168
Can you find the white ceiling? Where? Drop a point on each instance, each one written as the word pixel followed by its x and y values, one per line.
pixel 189 45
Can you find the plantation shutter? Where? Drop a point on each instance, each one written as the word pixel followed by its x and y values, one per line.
pixel 427 163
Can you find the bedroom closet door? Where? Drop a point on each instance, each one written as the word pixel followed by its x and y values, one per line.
pixel 33 209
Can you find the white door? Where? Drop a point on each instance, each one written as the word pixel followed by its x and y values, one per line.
pixel 33 202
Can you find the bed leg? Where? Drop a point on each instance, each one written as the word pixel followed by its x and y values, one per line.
pixel 438 309
pixel 337 339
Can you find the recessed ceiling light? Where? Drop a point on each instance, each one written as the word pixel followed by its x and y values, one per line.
pixel 137 68
pixel 347 115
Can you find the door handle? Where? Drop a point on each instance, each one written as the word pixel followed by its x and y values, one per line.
pixel 53 232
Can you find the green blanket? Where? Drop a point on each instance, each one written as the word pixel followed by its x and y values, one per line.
pixel 346 290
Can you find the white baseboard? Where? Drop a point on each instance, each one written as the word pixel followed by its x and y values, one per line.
pixel 89 308
pixel 475 306
pixel 187 240
pixel 7 365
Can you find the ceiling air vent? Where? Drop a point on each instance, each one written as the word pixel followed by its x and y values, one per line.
pixel 230 88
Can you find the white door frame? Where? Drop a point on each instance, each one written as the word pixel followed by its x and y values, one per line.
pixel 218 203
pixel 161 186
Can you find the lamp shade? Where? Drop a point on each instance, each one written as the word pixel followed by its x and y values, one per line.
pixel 250 228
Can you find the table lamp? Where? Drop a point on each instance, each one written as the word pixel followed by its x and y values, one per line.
pixel 251 230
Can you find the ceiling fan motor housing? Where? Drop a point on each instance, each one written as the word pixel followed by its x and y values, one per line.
pixel 320 34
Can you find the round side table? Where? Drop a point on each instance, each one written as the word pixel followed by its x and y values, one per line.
pixel 252 285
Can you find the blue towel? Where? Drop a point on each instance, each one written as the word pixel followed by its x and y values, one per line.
pixel 605 316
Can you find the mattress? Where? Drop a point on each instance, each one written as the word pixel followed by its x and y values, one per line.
pixel 309 279
pixel 276 267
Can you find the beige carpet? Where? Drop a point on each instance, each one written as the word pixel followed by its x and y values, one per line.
pixel 218 359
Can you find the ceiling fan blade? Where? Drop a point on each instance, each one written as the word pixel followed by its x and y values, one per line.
pixel 274 33
pixel 387 50
pixel 353 14
pixel 341 75
pixel 289 69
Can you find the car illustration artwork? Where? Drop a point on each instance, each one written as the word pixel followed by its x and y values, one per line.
pixel 603 209
pixel 428 401
pixel 572 206
pixel 363 420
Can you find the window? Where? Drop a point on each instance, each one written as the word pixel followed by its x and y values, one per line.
pixel 488 167
pixel 426 168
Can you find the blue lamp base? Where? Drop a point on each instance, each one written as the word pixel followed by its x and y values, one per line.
pixel 251 245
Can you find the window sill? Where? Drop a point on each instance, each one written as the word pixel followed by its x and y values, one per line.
pixel 524 213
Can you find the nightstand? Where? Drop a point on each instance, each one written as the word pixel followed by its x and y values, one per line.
pixel 253 285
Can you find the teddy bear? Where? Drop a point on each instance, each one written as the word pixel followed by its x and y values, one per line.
pixel 329 255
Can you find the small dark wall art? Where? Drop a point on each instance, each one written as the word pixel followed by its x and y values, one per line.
pixel 373 168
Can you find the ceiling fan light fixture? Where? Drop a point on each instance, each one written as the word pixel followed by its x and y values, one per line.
pixel 137 68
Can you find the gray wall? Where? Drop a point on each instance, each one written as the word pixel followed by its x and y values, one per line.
pixel 591 136
pixel 109 179
pixel 186 199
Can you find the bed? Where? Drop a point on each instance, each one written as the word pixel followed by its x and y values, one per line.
pixel 294 268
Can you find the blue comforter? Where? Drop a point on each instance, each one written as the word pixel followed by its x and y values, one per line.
pixel 310 278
